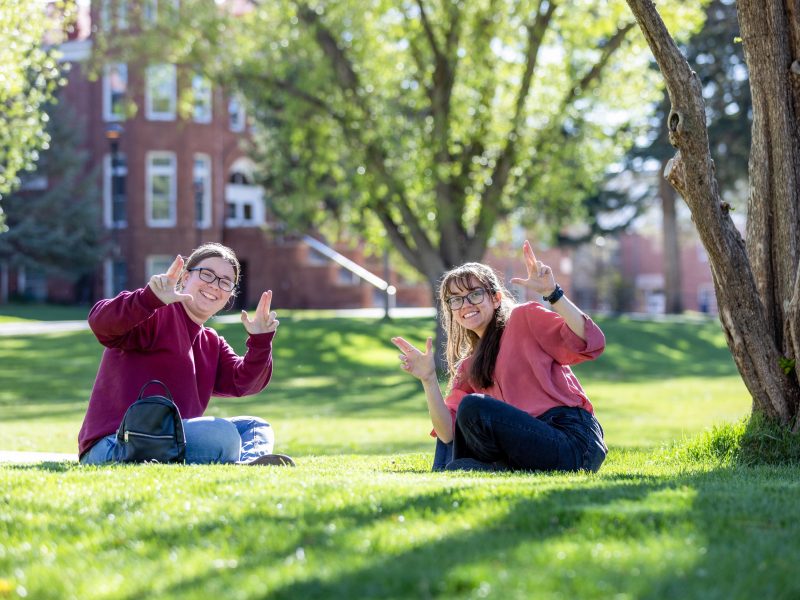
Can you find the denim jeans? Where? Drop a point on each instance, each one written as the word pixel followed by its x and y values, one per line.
pixel 208 440
pixel 493 435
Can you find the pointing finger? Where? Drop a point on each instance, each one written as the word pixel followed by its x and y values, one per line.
pixel 402 344
pixel 527 249
pixel 428 345
pixel 175 268
pixel 264 303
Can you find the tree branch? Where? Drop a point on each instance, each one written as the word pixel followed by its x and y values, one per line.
pixel 490 207
pixel 594 73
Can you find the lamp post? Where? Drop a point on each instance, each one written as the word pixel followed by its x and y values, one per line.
pixel 116 214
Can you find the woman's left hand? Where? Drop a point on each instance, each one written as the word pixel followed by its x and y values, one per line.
pixel 265 321
pixel 540 277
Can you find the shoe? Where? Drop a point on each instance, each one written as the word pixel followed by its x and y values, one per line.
pixel 272 459
pixel 469 464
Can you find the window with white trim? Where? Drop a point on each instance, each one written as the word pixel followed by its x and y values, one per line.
pixel 115 89
pixel 160 92
pixel 161 189
pixel 115 277
pixel 109 9
pixel 236 115
pixel 201 188
pixel 115 196
pixel 201 99
pixel 157 264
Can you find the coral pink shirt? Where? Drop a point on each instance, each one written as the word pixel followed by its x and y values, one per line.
pixel 532 369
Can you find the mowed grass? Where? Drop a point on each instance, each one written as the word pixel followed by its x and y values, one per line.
pixel 363 517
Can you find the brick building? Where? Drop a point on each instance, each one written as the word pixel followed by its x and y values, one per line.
pixel 171 181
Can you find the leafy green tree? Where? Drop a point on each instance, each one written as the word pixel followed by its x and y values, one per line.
pixel 56 230
pixel 29 76
pixel 422 125
pixel 757 281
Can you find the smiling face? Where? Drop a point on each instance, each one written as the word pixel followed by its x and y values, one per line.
pixel 209 298
pixel 475 317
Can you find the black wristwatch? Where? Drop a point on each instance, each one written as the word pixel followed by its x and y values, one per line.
pixel 555 296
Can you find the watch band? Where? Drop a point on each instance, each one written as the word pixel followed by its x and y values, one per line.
pixel 555 296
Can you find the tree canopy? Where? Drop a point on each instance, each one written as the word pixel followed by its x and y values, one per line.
pixel 425 124
pixel 55 228
pixel 30 74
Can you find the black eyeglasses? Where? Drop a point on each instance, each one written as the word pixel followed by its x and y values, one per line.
pixel 474 297
pixel 207 275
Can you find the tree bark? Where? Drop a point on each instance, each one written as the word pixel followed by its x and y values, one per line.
pixel 673 285
pixel 742 296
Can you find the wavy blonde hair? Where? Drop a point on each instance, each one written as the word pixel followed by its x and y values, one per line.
pixel 462 342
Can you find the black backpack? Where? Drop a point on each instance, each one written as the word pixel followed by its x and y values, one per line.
pixel 151 430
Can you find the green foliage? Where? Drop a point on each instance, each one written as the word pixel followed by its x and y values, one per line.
pixel 421 126
pixel 787 364
pixel 30 74
pixel 755 440
pixel 57 230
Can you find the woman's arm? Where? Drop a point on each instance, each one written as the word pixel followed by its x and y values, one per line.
pixel 542 282
pixel 421 365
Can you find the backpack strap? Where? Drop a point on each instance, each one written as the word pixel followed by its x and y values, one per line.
pixel 161 383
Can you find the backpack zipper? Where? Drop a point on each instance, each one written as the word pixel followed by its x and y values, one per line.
pixel 148 435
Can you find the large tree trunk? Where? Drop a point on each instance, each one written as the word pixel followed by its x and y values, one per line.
pixel 673 286
pixel 758 300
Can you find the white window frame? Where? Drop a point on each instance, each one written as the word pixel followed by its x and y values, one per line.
pixel 108 209
pixel 152 73
pixel 169 171
pixel 240 123
pixel 205 222
pixel 108 114
pixel 150 10
pixel 202 99
pixel 157 264
pixel 107 10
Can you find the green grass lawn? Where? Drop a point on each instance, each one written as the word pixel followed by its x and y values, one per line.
pixel 362 517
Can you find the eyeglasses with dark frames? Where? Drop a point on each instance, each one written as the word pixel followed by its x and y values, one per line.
pixel 476 296
pixel 207 275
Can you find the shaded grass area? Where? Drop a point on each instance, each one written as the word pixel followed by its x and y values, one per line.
pixel 337 387
pixel 16 312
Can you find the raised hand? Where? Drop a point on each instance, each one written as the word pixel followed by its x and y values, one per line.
pixel 412 360
pixel 540 276
pixel 163 285
pixel 263 321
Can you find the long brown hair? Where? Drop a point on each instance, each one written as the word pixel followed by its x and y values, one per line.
pixel 463 342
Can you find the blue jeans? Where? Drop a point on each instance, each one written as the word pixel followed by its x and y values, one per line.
pixel 492 435
pixel 208 440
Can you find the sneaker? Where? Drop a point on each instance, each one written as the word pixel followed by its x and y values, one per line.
pixel 469 464
pixel 272 459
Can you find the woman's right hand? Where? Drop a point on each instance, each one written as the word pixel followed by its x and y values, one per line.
pixel 420 364
pixel 164 285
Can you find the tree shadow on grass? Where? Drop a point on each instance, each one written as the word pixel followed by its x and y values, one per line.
pixel 713 544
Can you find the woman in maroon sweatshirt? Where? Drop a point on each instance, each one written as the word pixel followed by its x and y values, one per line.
pixel 158 332
pixel 513 401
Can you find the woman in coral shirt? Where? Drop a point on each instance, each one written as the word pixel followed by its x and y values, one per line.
pixel 513 401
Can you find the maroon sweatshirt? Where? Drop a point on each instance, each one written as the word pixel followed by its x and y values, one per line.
pixel 146 339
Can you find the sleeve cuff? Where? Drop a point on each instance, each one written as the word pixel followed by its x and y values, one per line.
pixel 595 340
pixel 150 300
pixel 260 340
